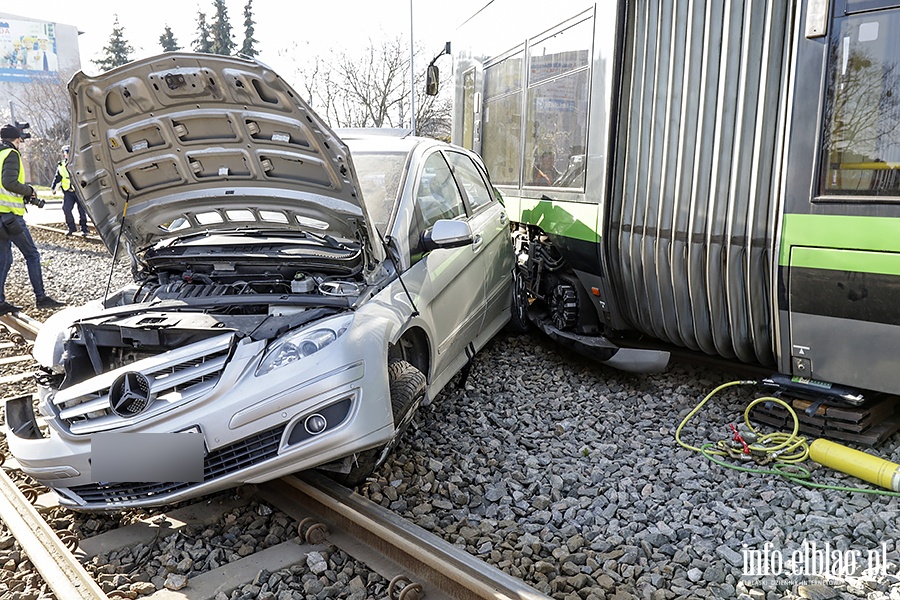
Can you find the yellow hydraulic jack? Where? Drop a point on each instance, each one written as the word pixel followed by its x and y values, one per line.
pixel 869 468
pixel 786 450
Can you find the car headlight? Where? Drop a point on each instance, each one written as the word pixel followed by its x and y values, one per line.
pixel 302 343
pixel 55 331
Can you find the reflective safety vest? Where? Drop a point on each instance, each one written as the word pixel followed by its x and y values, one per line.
pixel 9 202
pixel 65 183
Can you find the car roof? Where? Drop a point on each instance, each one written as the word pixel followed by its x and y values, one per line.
pixel 386 140
pixel 348 133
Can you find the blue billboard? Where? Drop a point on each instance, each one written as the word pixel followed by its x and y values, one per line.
pixel 27 50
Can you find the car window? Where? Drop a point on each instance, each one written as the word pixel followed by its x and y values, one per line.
pixel 380 175
pixel 437 196
pixel 470 180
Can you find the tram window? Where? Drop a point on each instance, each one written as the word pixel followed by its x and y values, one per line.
pixel 556 132
pixel 852 6
pixel 557 108
pixel 504 77
pixel 502 129
pixel 861 150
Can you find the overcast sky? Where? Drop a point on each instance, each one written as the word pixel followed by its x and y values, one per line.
pixel 286 29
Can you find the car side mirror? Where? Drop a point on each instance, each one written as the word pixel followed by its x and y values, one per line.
pixel 447 233
pixel 432 78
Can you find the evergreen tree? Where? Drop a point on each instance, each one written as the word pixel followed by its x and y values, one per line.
pixel 117 51
pixel 248 49
pixel 221 31
pixel 203 43
pixel 168 42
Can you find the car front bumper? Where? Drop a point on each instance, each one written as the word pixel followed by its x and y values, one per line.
pixel 254 428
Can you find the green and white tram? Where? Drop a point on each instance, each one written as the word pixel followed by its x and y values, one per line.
pixel 720 176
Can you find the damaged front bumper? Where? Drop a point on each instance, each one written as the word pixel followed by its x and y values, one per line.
pixel 254 427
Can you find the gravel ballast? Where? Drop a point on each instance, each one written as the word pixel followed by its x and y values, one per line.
pixel 565 473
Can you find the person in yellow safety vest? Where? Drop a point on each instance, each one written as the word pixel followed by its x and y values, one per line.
pixel 14 193
pixel 70 199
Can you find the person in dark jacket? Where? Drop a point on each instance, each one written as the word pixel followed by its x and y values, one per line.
pixel 14 193
pixel 70 200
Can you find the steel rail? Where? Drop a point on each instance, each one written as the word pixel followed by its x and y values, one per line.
pixel 56 564
pixel 23 324
pixel 90 237
pixel 443 570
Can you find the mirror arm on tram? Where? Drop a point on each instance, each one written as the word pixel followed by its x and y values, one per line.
pixel 432 74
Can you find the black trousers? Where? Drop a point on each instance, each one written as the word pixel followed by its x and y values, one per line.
pixel 70 201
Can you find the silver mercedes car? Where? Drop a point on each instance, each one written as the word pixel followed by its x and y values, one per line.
pixel 297 293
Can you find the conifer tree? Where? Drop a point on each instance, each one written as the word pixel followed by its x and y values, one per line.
pixel 249 46
pixel 203 43
pixel 168 42
pixel 118 51
pixel 222 43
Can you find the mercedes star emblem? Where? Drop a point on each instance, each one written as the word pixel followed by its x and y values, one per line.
pixel 129 395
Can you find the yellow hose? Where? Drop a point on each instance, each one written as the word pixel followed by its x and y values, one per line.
pixel 784 447
pixel 788 449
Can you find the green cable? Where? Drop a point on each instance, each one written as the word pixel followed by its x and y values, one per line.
pixel 801 476
pixel 795 447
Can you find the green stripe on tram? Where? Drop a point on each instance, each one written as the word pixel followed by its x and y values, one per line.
pixel 577 220
pixel 875 240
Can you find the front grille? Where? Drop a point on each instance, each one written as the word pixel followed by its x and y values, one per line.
pixel 176 377
pixel 219 463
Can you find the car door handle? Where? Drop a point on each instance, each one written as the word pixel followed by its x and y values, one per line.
pixel 503 218
pixel 477 240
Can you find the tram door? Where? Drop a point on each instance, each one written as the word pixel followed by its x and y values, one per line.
pixel 844 256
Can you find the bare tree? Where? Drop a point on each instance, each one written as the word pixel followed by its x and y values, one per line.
pixel 371 89
pixel 45 104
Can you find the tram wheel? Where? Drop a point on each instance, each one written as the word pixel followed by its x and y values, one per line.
pixel 564 305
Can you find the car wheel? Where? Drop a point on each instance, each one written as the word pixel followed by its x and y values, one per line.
pixel 407 385
pixel 518 322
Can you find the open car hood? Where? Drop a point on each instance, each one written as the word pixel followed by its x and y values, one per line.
pixel 182 142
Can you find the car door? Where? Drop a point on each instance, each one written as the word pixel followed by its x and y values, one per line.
pixel 452 288
pixel 492 249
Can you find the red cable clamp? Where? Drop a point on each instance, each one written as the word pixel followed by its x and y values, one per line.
pixel 737 437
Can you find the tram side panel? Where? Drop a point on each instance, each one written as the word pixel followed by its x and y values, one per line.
pixel 669 228
pixel 695 204
pixel 839 256
pixel 726 201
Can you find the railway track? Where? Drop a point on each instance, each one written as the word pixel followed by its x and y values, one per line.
pixel 92 237
pixel 414 563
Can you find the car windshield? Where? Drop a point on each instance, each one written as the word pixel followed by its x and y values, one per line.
pixel 380 175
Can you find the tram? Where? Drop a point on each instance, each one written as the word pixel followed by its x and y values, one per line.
pixel 715 176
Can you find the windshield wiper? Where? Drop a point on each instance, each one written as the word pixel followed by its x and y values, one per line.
pixel 324 237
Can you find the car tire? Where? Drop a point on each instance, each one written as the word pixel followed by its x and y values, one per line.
pixel 518 321
pixel 407 385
